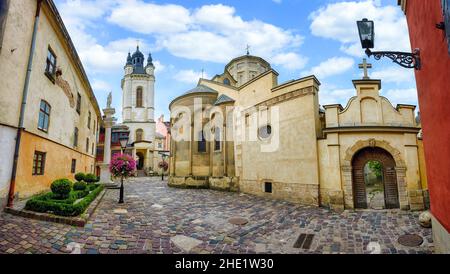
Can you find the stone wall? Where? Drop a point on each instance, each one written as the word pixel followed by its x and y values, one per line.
pixel 306 194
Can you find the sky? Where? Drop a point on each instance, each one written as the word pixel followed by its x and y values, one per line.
pixel 297 37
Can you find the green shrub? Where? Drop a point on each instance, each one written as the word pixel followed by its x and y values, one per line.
pixel 90 178
pixel 80 176
pixel 79 185
pixel 61 188
pixel 44 203
pixel 98 179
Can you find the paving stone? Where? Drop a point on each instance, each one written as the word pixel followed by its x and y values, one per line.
pixel 139 227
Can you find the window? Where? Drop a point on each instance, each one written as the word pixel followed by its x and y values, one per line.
pixel 87 145
pixel 217 139
pixel 38 163
pixel 265 132
pixel 78 103
pixel 202 142
pixel 73 167
pixel 92 149
pixel 50 67
pixel 268 187
pixel 159 145
pixel 94 126
pixel 89 120
pixel 75 137
pixel 226 81
pixel 139 134
pixel 44 116
pixel 139 97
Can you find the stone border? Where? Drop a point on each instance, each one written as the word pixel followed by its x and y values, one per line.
pixel 347 168
pixel 74 221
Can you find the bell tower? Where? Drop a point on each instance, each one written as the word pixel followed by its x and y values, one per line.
pixel 138 95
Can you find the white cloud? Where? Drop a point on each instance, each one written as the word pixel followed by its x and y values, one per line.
pixel 190 76
pixel 337 21
pixel 100 85
pixel 210 33
pixel 396 75
pixel 150 18
pixel 331 95
pixel 330 67
pixel 277 1
pixel 290 60
pixel 401 96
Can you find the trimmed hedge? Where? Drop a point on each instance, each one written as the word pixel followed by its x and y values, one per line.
pixel 45 203
pixel 79 186
pixel 90 178
pixel 80 176
pixel 61 188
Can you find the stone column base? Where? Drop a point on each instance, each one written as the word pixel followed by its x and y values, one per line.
pixel 441 237
pixel 105 174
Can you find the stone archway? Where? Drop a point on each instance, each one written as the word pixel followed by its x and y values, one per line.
pixel 381 192
pixel 347 170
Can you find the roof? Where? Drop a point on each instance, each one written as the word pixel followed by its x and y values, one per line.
pixel 201 89
pixel 223 99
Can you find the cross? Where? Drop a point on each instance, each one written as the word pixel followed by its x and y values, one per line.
pixel 365 66
pixel 248 49
pixel 202 72
pixel 137 42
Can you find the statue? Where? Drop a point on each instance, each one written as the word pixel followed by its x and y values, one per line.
pixel 109 100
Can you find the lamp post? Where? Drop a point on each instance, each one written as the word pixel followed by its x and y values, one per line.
pixel 123 144
pixel 366 29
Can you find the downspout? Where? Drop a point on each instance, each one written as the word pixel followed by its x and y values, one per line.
pixel 22 107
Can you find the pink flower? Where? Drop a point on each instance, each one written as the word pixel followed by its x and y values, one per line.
pixel 122 165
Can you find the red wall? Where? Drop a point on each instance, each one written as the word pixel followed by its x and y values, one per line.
pixel 433 86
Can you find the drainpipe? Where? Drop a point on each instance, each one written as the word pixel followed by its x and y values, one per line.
pixel 22 107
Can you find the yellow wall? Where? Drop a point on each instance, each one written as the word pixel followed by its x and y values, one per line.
pixel 57 164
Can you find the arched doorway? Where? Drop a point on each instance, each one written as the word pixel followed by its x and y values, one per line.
pixel 140 163
pixel 369 191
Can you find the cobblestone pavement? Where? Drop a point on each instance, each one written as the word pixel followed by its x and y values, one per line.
pixel 159 219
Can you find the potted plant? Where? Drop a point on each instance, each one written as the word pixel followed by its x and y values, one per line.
pixel 123 166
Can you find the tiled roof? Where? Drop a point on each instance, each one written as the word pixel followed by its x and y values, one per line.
pixel 223 99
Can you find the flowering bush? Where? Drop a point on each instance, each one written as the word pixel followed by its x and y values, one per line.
pixel 122 165
pixel 164 165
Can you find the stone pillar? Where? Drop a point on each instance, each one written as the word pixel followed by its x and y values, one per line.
pixel 105 174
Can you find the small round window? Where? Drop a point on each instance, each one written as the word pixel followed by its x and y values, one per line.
pixel 265 132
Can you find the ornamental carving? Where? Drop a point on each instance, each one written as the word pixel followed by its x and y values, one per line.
pixel 64 85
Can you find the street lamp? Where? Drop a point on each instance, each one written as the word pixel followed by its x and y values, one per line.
pixel 366 29
pixel 123 144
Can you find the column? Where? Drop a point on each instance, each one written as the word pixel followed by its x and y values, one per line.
pixel 105 174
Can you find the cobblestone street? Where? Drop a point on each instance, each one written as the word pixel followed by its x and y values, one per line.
pixel 159 219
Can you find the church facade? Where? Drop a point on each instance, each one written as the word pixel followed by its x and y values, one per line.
pixel 243 131
pixel 138 93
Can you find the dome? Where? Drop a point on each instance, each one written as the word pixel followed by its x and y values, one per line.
pixel 137 54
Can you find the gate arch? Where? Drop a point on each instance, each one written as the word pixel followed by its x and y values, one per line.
pixel 390 187
pixel 400 170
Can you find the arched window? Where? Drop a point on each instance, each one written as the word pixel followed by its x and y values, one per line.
pixel 139 135
pixel 139 97
pixel 226 81
pixel 201 142
pixel 217 139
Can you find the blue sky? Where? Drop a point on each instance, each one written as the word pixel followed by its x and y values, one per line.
pixel 298 38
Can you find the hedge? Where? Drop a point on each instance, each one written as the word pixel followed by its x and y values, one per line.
pixel 44 203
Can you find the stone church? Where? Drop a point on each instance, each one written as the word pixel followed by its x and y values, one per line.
pixel 243 131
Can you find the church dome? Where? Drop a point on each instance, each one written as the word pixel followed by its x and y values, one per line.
pixel 137 54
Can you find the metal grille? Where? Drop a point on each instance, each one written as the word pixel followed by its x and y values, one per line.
pixel 304 241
